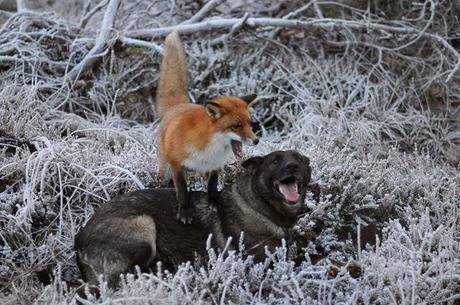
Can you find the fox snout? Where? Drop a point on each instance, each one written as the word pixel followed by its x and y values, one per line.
pixel 254 141
pixel 250 138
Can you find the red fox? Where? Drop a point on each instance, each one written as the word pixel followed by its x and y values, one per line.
pixel 196 137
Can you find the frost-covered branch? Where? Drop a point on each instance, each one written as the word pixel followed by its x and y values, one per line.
pixel 5 14
pixel 232 32
pixel 21 5
pixel 84 20
pixel 141 43
pixel 204 11
pixel 228 23
pixel 328 24
pixel 101 42
pixel 318 11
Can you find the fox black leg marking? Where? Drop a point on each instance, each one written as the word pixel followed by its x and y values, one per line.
pixel 185 209
pixel 213 193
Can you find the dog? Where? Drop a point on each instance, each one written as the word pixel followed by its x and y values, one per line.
pixel 140 227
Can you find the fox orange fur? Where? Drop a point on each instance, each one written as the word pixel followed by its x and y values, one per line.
pixel 201 138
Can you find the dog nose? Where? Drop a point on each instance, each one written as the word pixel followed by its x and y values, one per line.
pixel 292 166
pixel 256 141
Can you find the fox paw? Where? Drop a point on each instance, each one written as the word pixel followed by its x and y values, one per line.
pixel 213 197
pixel 185 215
pixel 167 183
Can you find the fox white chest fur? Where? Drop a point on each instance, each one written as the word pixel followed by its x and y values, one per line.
pixel 216 155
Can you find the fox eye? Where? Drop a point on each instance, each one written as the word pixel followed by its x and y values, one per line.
pixel 236 126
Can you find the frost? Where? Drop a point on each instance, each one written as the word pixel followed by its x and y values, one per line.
pixel 378 122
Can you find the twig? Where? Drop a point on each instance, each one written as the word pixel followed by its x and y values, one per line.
pixel 235 28
pixel 318 11
pixel 449 47
pixel 87 6
pixel 290 15
pixel 298 11
pixel 5 14
pixel 205 10
pixel 21 5
pixel 101 42
pixel 56 66
pixel 422 31
pixel 84 20
pixel 141 43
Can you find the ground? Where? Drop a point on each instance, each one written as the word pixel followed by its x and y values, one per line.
pixel 375 110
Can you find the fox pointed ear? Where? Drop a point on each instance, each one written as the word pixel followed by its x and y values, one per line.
pixel 213 110
pixel 249 98
pixel 252 164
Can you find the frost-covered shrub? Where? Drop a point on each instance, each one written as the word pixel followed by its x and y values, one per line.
pixel 378 136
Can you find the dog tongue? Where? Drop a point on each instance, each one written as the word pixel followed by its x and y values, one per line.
pixel 289 191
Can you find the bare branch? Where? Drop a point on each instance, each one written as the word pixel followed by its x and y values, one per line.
pixel 55 66
pixel 298 11
pixel 101 42
pixel 220 24
pixel 235 28
pixel 5 14
pixel 324 23
pixel 141 43
pixel 84 20
pixel 318 11
pixel 205 10
pixel 291 15
pixel 21 5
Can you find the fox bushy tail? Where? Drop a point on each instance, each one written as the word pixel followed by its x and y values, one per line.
pixel 173 82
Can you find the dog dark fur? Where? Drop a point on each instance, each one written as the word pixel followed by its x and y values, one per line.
pixel 140 228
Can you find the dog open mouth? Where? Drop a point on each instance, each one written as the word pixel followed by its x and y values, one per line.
pixel 237 148
pixel 289 189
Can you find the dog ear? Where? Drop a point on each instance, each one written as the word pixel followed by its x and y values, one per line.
pixel 213 110
pixel 306 162
pixel 249 98
pixel 252 164
pixel 315 189
pixel 305 159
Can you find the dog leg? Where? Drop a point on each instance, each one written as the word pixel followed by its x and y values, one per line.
pixel 185 208
pixel 89 276
pixel 110 267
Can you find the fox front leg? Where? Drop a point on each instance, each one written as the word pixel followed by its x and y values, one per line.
pixel 185 208
pixel 213 192
pixel 165 177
